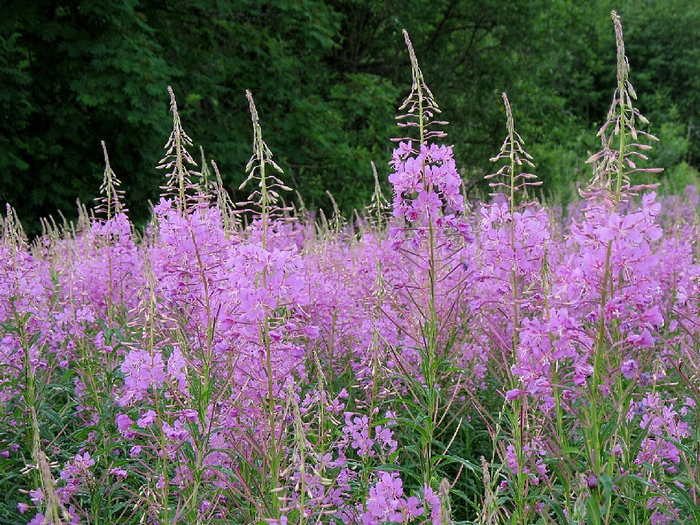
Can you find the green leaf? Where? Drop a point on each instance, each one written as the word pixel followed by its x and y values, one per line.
pixel 606 483
pixel 594 517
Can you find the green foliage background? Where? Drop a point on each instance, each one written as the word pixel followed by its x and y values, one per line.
pixel 327 77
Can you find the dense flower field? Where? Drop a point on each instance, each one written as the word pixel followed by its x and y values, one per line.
pixel 432 361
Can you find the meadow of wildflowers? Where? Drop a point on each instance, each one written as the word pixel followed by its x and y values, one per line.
pixel 432 361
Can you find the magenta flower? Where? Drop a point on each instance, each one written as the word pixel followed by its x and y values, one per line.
pixel 39 519
pixel 426 186
pixel 37 496
pixel 147 419
pixel 629 368
pixel 124 423
pixel 120 473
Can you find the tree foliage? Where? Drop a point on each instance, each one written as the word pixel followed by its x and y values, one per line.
pixel 327 76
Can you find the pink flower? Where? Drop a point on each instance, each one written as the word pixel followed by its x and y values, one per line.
pixel 653 317
pixel 39 519
pixel 124 423
pixel 120 473
pixel 629 368
pixel 37 496
pixel 147 419
pixel 312 332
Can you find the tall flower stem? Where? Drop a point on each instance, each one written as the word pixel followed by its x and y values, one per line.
pixel 515 157
pixel 611 184
pixel 430 330
pixel 263 199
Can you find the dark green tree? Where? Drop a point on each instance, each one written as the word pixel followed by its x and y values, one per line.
pixel 75 73
pixel 327 76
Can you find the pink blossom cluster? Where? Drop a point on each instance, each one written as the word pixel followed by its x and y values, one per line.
pixel 387 504
pixel 426 184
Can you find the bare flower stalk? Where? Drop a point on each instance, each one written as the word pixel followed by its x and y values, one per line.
pixel 420 107
pixel 177 158
pixel 204 174
pixel 12 229
pixel 337 221
pixel 516 157
pixel 223 201
pixel 264 199
pixel 378 206
pixel 619 135
pixel 110 200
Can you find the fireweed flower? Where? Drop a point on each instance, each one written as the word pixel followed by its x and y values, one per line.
pixel 629 368
pixel 632 260
pixel 356 430
pixel 534 466
pixel 427 191
pixel 75 474
pixel 387 504
pixel 142 370
pixel 525 250
pixel 664 428
pixel 147 419
pixel 39 519
pixel 432 500
pixel 177 432
pixel 562 342
pixel 385 436
pixel 546 344
pixel 119 473
pixel 37 496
